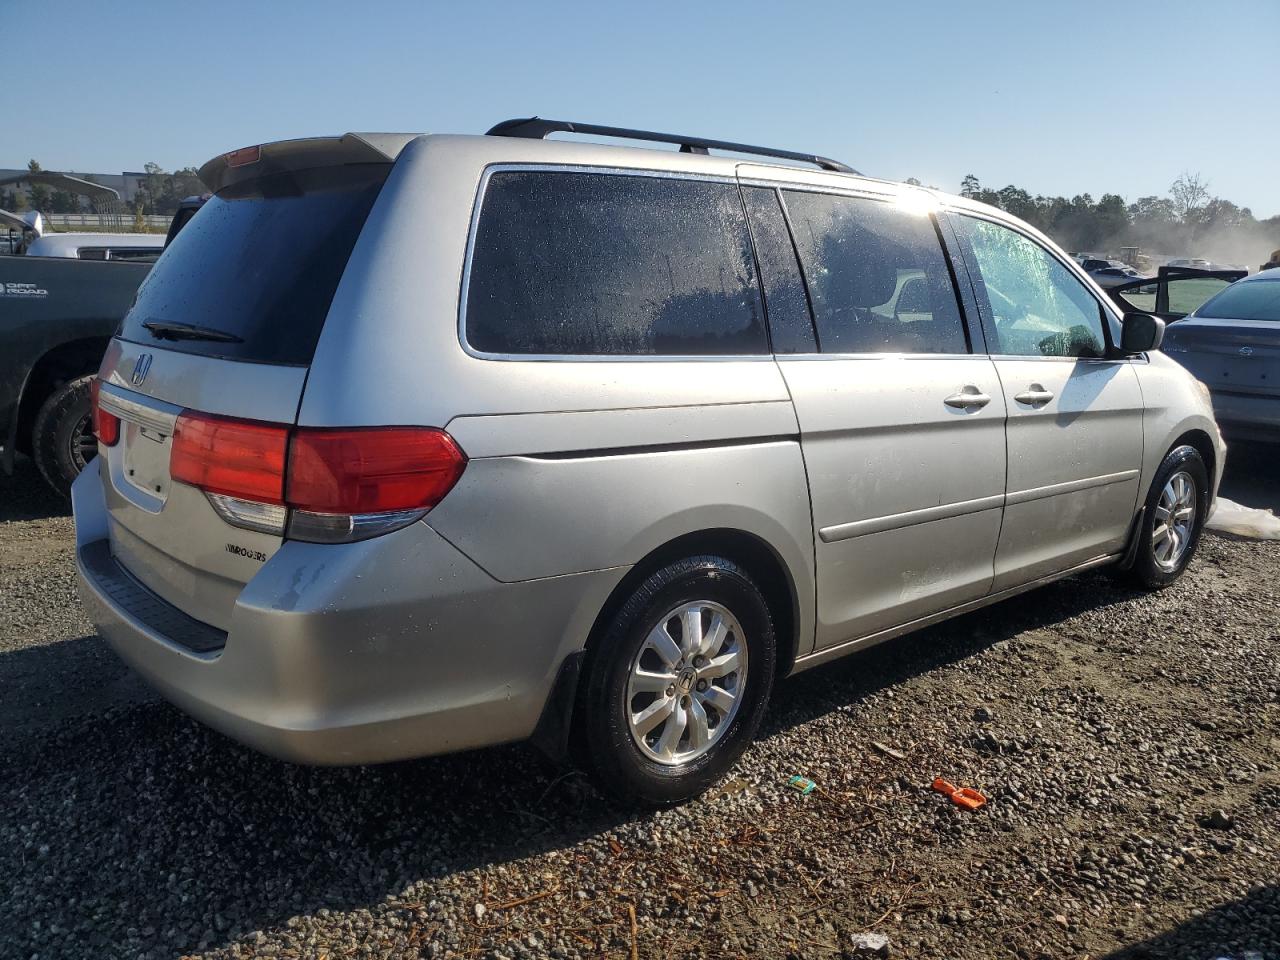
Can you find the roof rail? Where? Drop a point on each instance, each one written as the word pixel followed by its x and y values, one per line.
pixel 536 128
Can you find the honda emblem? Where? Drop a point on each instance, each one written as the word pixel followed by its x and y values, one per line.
pixel 140 368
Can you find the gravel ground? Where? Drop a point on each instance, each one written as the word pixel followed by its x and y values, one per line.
pixel 1128 744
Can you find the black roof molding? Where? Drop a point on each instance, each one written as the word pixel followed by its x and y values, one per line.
pixel 536 128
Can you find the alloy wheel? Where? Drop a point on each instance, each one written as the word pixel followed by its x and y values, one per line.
pixel 686 682
pixel 1175 516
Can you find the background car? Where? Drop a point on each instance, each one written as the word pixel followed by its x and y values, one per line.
pixel 1113 276
pixel 1107 273
pixel 1232 344
pixel 98 246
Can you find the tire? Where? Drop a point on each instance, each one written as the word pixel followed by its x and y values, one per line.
pixel 717 588
pixel 1155 565
pixel 62 438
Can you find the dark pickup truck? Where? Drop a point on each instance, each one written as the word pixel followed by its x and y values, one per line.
pixel 56 316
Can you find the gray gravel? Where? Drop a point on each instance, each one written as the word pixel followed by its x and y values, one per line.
pixel 1128 745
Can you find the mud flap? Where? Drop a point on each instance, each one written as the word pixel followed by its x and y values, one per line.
pixel 1135 535
pixel 551 736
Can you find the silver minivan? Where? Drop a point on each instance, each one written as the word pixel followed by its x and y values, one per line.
pixel 413 444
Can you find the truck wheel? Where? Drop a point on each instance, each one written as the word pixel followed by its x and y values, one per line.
pixel 62 441
pixel 676 687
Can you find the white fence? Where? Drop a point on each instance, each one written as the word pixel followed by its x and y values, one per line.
pixel 103 221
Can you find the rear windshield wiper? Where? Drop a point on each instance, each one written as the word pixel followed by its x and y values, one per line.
pixel 169 330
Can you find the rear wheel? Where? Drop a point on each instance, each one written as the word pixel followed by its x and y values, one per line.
pixel 676 687
pixel 62 440
pixel 1176 509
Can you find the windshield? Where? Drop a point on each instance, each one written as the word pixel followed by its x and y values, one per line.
pixel 1246 300
pixel 259 263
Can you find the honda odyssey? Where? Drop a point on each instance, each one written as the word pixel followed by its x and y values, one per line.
pixel 413 444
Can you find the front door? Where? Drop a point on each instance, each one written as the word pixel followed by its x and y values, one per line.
pixel 1074 414
pixel 902 425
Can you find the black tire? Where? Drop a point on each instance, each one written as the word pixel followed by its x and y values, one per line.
pixel 604 732
pixel 62 438
pixel 1147 570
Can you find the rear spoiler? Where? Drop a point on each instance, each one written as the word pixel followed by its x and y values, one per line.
pixel 249 163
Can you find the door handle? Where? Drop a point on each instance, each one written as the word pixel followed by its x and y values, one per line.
pixel 1034 394
pixel 969 398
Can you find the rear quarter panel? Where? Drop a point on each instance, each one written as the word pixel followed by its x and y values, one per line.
pixel 575 465
pixel 523 517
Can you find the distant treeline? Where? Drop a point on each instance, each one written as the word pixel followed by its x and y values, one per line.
pixel 161 191
pixel 159 194
pixel 1190 221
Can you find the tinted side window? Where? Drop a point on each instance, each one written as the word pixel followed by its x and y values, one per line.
pixel 785 300
pixel 595 264
pixel 1038 307
pixel 877 276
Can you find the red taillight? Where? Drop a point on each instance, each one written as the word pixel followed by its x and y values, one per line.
pixel 330 471
pixel 238 458
pixel 106 426
pixel 371 470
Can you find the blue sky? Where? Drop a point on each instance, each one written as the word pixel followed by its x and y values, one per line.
pixel 1056 97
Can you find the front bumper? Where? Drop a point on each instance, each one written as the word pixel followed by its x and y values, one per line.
pixel 390 648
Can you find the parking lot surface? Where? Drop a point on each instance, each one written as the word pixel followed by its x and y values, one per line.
pixel 1128 744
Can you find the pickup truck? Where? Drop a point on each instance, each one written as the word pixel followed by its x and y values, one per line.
pixel 57 314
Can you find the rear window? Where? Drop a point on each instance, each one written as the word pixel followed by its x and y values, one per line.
pixel 1250 300
pixel 591 264
pixel 259 263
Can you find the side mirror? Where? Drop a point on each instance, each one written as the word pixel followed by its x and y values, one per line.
pixel 1140 332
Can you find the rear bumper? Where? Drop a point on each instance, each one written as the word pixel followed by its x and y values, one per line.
pixel 1243 416
pixel 391 648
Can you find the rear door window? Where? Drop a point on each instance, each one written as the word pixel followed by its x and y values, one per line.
pixel 596 264
pixel 877 276
pixel 259 265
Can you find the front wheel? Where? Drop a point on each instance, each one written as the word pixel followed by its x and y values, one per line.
pixel 676 687
pixel 1176 509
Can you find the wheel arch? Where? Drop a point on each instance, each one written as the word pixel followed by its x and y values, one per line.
pixel 66 361
pixel 1192 436
pixel 556 731
pixel 1203 445
pixel 749 551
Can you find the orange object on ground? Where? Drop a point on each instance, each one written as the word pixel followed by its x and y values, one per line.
pixel 966 797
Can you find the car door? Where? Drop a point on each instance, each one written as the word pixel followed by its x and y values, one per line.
pixel 1175 292
pixel 1074 428
pixel 902 425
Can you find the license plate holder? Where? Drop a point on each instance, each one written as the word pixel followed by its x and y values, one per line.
pixel 146 459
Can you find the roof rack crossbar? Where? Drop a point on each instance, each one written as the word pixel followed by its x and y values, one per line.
pixel 536 128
